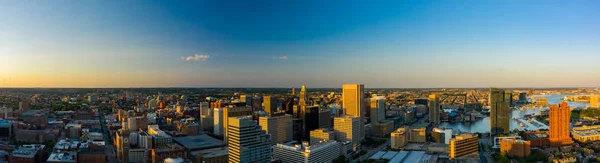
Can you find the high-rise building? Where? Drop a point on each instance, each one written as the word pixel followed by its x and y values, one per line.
pixel 515 148
pixel 247 142
pixel 298 126
pixel 353 105
pixel 303 98
pixel 399 138
pixel 311 120
pixel 500 112
pixel 270 105
pixel 324 152
pixel 279 127
pixel 434 109
pixel 377 109
pixel 463 145
pixel 218 128
pixel 233 112
pixel 288 105
pixel 347 129
pixel 560 122
pixel 418 135
pixel 324 119
pixel 352 99
pixel 593 101
pixel 321 134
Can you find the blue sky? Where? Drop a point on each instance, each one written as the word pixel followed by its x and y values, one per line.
pixel 289 43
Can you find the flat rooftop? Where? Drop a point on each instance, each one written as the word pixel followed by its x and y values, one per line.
pixel 199 142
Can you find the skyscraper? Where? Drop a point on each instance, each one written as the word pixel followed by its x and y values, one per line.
pixel 270 104
pixel 352 104
pixel 593 100
pixel 377 109
pixel 500 112
pixel 302 100
pixel 278 127
pixel 434 109
pixel 247 142
pixel 560 116
pixel 352 99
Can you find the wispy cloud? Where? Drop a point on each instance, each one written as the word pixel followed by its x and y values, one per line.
pixel 283 58
pixel 196 57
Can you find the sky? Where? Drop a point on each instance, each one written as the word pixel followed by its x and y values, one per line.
pixel 323 44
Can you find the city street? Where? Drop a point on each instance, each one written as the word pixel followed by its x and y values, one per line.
pixel 109 146
pixel 371 152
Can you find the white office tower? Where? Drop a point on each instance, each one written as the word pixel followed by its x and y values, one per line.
pixel 247 142
pixel 326 151
pixel 219 122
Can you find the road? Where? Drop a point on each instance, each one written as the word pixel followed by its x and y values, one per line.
pixel 485 156
pixel 109 146
pixel 372 151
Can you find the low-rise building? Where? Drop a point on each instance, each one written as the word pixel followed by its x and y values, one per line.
pixel 586 133
pixel 399 138
pixel 417 135
pixel 462 145
pixel 62 157
pixel 324 152
pixel 515 148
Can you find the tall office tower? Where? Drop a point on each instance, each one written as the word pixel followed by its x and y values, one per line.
pixel 321 134
pixel 352 99
pixel 218 128
pixel 347 129
pixel 247 99
pixel 377 109
pixel 302 101
pixel 500 112
pixel 233 112
pixel 247 142
pixel 324 118
pixel 560 125
pixel 270 104
pixel 352 104
pixel 279 127
pixel 298 126
pixel 434 109
pixel 463 145
pixel 509 98
pixel 311 120
pixel 593 101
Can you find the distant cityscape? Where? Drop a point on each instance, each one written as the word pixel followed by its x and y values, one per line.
pixel 291 125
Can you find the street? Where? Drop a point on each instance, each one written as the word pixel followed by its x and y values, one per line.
pixel 109 146
pixel 371 152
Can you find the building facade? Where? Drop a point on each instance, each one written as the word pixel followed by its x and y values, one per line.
pixel 500 112
pixel 434 109
pixel 515 148
pixel 560 118
pixel 279 127
pixel 347 129
pixel 323 152
pixel 321 134
pixel 399 138
pixel 247 142
pixel 463 145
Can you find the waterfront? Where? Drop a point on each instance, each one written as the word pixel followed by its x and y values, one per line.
pixel 483 125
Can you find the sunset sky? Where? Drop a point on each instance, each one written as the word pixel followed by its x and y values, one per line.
pixel 397 44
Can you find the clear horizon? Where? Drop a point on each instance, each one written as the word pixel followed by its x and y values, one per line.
pixel 260 44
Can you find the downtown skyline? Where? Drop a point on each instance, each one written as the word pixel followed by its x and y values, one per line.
pixel 283 44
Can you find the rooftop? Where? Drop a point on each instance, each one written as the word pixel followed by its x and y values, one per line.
pixel 199 142
pixel 63 157
pixel 587 130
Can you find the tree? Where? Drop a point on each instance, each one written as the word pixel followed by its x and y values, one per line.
pixel 340 159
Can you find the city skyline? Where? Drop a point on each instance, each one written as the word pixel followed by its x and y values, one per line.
pixel 284 44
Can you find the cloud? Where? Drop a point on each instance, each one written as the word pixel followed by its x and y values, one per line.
pixel 196 57
pixel 283 58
